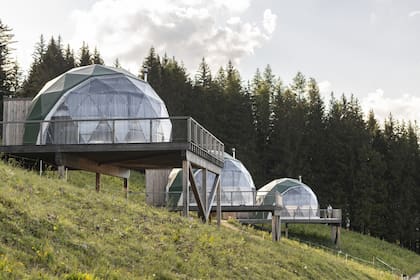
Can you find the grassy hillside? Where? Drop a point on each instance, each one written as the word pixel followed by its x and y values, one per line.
pixel 361 246
pixel 56 230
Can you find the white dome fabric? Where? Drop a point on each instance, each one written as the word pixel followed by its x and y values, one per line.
pixel 298 199
pixel 237 185
pixel 110 98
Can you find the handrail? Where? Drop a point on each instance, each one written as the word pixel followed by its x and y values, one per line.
pixel 95 119
pixel 156 130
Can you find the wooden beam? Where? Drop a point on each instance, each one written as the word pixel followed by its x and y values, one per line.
pixel 198 200
pixel 185 188
pixel 90 165
pixel 212 195
pixel 202 163
pixel 98 182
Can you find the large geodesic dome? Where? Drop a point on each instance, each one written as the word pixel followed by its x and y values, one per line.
pixel 237 186
pixel 97 104
pixel 298 199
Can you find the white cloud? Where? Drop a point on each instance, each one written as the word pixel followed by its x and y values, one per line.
pixel 414 13
pixel 187 29
pixel 373 18
pixel 269 21
pixel 325 89
pixel 405 107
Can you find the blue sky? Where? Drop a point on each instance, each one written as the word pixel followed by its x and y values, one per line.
pixel 370 48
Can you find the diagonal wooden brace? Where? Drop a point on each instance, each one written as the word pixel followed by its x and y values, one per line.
pixel 212 195
pixel 201 209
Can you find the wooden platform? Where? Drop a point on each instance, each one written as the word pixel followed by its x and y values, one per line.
pixel 188 145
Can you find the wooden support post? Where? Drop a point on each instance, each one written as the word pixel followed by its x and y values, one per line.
pixel 126 187
pixel 275 228
pixel 98 182
pixel 338 236
pixel 61 172
pixel 185 188
pixel 204 189
pixel 40 168
pixel 279 228
pixel 286 230
pixel 219 204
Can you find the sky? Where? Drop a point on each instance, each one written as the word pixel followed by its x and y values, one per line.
pixel 369 48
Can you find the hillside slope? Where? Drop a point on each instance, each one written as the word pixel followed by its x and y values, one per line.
pixel 51 229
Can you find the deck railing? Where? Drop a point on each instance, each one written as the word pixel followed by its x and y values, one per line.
pixel 172 199
pixel 114 131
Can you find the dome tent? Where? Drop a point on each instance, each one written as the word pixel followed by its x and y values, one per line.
pixel 237 186
pixel 297 198
pixel 96 93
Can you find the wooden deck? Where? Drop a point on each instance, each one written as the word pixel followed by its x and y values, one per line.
pixel 186 145
pixel 190 140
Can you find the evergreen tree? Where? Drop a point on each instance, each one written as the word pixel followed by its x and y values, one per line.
pixel 9 71
pixel 117 63
pixel 154 69
pixel 85 57
pixel 48 63
pixel 14 78
pixel 6 63
pixel 262 92
pixel 69 60
pixel 203 77
pixel 96 57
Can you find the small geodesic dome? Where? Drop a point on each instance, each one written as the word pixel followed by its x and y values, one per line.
pixel 92 104
pixel 237 186
pixel 298 200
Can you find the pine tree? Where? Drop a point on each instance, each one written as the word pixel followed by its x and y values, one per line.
pixel 203 77
pixel 84 56
pixel 117 63
pixel 14 78
pixel 8 67
pixel 262 92
pixel 154 69
pixel 69 58
pixel 48 63
pixel 6 63
pixel 96 57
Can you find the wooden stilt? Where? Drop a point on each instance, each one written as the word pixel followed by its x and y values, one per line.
pixel 338 236
pixel 219 204
pixel 61 172
pixel 276 228
pixel 286 230
pixel 98 182
pixel 126 187
pixel 185 188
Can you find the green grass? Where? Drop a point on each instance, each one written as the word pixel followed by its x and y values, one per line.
pixel 51 229
pixel 361 246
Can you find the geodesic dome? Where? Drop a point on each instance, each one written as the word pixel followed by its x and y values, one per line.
pixel 237 186
pixel 298 199
pixel 97 104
